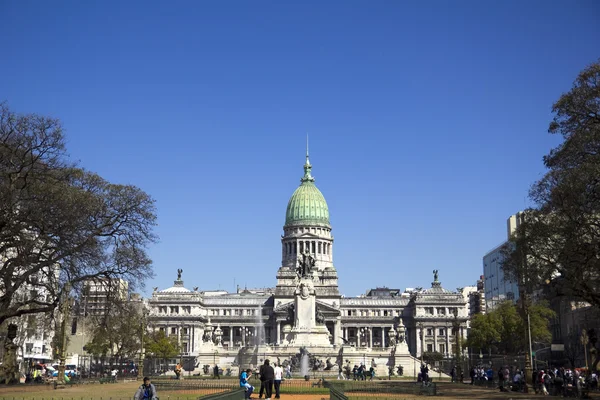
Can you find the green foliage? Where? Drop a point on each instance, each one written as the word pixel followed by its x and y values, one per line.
pixel 431 357
pixel 162 346
pixel 504 329
pixel 557 245
pixel 118 332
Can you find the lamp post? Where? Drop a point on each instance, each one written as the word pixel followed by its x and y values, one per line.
pixel 140 373
pixel 421 339
pixel 63 347
pixel 457 354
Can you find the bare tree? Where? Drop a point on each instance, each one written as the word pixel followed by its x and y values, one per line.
pixel 60 223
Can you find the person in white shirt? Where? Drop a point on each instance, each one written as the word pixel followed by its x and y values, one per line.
pixel 277 380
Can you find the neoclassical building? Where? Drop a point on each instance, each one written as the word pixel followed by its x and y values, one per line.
pixel 218 322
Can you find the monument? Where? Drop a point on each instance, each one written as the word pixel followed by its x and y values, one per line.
pixel 304 320
pixel 309 324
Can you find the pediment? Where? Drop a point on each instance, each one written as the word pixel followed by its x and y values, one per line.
pixel 308 235
pixel 326 307
pixel 283 308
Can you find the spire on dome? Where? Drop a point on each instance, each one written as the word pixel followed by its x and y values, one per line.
pixel 307 167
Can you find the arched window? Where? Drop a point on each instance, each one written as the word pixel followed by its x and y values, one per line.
pixel 319 248
pixel 314 247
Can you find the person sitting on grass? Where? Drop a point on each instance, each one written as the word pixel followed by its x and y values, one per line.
pixel 244 378
pixel 146 391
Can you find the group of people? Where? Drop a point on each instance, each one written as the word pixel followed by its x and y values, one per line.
pixel 555 381
pixel 269 376
pixel 360 372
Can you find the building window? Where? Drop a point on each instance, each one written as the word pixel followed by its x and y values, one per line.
pixel 237 312
pixel 174 310
pixel 442 348
pixel 185 331
pixel 349 313
pixel 184 347
pixel 429 310
pixel 429 331
pixel 161 329
pixel 28 348
pixel 173 331
pixel 319 248
pixel 441 311
pixel 441 331
pixel 313 248
pixel 429 347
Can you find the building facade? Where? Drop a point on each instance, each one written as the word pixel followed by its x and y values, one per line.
pixel 497 287
pixel 231 321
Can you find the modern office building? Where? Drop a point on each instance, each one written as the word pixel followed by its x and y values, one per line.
pixel 497 287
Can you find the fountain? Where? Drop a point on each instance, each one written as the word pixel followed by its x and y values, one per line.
pixel 260 328
pixel 304 363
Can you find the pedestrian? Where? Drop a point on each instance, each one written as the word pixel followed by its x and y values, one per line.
pixel 278 376
pixel 244 382
pixel 146 391
pixel 267 375
pixel 453 374
pixel 288 372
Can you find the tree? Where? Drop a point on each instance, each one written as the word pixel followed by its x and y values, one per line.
pixel 502 330
pixel 431 357
pixel 557 245
pixel 561 234
pixel 162 346
pixel 60 223
pixel 117 331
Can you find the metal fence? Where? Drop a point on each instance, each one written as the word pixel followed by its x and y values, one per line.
pixel 383 389
pixel 234 394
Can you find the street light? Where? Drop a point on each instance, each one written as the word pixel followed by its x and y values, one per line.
pixel 421 338
pixel 140 373
pixel 456 326
pixel 63 347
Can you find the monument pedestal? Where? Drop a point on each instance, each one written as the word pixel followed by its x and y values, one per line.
pixel 308 329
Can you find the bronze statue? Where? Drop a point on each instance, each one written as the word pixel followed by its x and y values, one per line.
pixel 306 263
pixel 179 271
pixel 435 275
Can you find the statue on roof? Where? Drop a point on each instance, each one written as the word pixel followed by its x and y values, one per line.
pixel 179 271
pixel 435 275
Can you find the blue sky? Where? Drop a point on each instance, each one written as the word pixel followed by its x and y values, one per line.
pixel 427 121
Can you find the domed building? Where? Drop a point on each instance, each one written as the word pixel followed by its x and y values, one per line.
pixel 228 328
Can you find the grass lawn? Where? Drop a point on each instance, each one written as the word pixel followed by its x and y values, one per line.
pixel 295 391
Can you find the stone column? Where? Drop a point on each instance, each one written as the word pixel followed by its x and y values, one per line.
pixel 371 337
pixel 383 337
pixel 435 338
pixel 278 333
pixel 345 333
pixel 337 330
pixel 447 342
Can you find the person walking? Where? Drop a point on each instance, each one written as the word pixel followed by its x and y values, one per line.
pixel 216 372
pixel 244 382
pixel 278 376
pixel 146 391
pixel 288 372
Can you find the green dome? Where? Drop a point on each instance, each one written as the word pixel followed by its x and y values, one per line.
pixel 307 206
